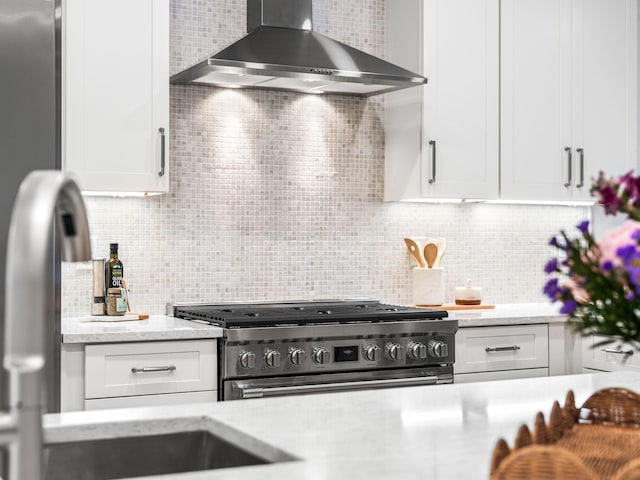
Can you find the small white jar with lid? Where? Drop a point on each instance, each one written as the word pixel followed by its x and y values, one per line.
pixel 468 295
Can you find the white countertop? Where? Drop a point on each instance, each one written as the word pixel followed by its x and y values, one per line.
pixel 156 327
pixel 162 327
pixel 509 314
pixel 434 432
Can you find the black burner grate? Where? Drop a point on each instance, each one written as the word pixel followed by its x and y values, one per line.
pixel 279 314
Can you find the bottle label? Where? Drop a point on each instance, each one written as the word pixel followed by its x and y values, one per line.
pixel 116 277
pixel 121 302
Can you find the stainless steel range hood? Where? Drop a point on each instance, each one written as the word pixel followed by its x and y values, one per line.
pixel 282 52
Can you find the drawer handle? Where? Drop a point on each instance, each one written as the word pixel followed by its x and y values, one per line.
pixel 167 368
pixel 618 352
pixel 502 349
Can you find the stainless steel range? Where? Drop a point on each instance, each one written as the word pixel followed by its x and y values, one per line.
pixel 288 348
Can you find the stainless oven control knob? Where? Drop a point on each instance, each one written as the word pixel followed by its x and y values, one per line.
pixel 372 353
pixel 417 351
pixel 247 359
pixel 321 355
pixel 438 349
pixel 272 358
pixel 297 356
pixel 395 351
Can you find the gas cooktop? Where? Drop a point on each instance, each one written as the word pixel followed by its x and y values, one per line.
pixel 302 313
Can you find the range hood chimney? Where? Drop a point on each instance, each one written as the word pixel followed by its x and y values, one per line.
pixel 282 52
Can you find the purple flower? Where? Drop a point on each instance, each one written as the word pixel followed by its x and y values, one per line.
pixel 636 235
pixel 630 185
pixel 552 290
pixel 626 252
pixel 551 266
pixel 583 226
pixel 553 241
pixel 569 307
pixel 609 199
pixel 607 266
pixel 632 266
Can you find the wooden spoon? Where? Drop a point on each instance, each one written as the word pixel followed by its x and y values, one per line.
pixel 430 253
pixel 415 250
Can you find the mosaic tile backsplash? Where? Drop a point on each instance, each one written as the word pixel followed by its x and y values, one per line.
pixel 276 195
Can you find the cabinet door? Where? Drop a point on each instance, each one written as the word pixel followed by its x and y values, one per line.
pixel 460 105
pixel 442 138
pixel 605 78
pixel 569 95
pixel 535 99
pixel 116 94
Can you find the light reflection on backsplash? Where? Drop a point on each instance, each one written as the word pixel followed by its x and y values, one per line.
pixel 277 195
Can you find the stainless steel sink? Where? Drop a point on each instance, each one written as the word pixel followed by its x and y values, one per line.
pixel 144 455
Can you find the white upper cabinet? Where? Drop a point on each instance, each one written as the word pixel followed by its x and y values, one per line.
pixel 442 139
pixel 116 94
pixel 568 95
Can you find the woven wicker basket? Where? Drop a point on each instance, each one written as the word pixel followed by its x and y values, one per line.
pixel 600 440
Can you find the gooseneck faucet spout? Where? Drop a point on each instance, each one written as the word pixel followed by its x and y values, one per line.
pixel 44 195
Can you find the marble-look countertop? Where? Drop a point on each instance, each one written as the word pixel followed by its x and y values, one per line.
pixel 434 432
pixel 162 327
pixel 156 327
pixel 509 314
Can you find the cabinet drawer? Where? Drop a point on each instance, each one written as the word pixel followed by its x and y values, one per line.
pixel 209 396
pixel 500 375
pixel 487 349
pixel 125 369
pixel 608 358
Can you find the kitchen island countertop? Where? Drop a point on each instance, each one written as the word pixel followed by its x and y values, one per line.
pixel 441 432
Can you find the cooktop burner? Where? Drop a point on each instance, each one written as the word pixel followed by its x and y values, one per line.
pixel 307 313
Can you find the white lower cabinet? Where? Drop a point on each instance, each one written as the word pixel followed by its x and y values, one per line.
pixel 114 375
pixel 608 358
pixel 503 352
pixel 501 375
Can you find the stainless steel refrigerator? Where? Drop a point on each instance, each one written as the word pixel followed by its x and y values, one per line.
pixel 30 139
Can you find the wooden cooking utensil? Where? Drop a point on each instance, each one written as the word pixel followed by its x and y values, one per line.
pixel 415 250
pixel 141 316
pixel 430 253
pixel 442 247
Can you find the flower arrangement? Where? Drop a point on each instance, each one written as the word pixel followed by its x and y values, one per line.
pixel 598 282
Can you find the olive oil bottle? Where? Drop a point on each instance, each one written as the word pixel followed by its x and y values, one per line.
pixel 114 269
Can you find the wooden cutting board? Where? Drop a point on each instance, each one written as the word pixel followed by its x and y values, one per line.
pixel 482 306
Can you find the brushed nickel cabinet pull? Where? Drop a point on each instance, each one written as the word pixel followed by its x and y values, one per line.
pixel 167 368
pixel 618 351
pixel 502 349
pixel 432 144
pixel 162 137
pixel 569 161
pixel 580 152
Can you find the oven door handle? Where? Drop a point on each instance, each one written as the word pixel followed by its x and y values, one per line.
pixel 259 392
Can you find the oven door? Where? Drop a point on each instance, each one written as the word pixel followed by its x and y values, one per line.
pixel 241 389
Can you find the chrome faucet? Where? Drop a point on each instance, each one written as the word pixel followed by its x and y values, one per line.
pixel 43 196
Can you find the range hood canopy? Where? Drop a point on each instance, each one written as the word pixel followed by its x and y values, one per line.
pixel 282 52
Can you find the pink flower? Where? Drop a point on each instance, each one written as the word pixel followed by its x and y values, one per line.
pixel 579 293
pixel 616 238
